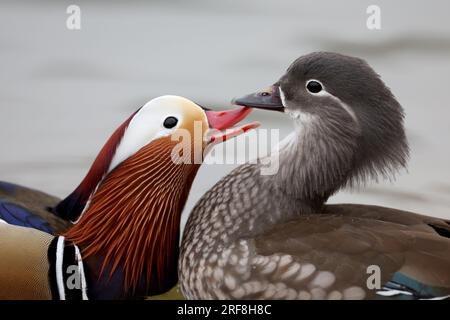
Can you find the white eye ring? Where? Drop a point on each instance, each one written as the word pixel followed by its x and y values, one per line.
pixel 314 86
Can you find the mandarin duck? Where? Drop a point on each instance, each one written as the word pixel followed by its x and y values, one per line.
pixel 255 236
pixel 32 208
pixel 123 241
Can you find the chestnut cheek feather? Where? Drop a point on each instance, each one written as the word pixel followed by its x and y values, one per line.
pixel 144 198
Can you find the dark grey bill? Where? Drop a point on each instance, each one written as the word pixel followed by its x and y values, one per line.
pixel 268 99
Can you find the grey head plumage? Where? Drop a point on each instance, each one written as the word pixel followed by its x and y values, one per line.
pixel 350 122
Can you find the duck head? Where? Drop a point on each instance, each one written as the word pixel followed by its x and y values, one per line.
pixel 127 209
pixel 347 120
pixel 163 119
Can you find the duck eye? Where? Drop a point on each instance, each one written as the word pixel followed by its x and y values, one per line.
pixel 170 122
pixel 314 86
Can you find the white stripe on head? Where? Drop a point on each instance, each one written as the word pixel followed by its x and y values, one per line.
pixel 147 125
pixel 346 107
pixel 325 93
pixel 322 93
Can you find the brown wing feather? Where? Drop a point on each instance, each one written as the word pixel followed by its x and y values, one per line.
pixel 417 221
pixel 327 255
pixel 358 242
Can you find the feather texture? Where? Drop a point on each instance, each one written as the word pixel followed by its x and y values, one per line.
pixel 132 221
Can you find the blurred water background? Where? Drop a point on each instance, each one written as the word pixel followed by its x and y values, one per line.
pixel 62 92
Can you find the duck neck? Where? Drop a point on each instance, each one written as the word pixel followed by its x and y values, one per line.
pixel 315 161
pixel 74 204
pixel 129 232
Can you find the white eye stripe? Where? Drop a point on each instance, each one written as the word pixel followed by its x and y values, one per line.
pixel 148 125
pixel 346 107
pixel 324 93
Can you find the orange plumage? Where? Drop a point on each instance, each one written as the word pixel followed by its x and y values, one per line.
pixel 133 217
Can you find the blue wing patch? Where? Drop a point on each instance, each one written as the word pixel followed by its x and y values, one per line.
pixel 19 216
pixel 405 288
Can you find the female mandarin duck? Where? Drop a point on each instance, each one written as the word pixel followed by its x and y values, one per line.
pixel 274 237
pixel 125 238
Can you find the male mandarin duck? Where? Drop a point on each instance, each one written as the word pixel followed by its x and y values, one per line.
pixel 255 236
pixel 31 208
pixel 123 239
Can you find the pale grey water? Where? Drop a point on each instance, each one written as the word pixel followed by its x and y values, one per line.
pixel 63 92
